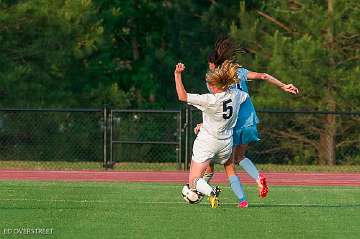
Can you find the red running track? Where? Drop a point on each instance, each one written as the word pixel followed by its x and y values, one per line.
pixel 292 178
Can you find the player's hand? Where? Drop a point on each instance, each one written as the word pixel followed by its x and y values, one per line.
pixel 180 67
pixel 197 128
pixel 290 88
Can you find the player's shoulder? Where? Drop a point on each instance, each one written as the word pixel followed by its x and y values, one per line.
pixel 239 94
pixel 233 92
pixel 242 68
pixel 211 98
pixel 206 95
pixel 242 71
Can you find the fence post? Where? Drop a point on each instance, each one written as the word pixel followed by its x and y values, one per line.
pixel 187 137
pixel 111 162
pixel 108 159
pixel 179 148
pixel 105 128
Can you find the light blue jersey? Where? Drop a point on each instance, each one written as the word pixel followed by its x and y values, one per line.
pixel 247 116
pixel 245 130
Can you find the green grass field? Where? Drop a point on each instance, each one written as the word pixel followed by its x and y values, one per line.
pixel 148 210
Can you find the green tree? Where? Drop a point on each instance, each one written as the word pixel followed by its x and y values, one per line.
pixel 147 38
pixel 314 45
pixel 85 53
pixel 45 51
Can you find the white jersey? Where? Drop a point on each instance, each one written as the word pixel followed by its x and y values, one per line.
pixel 219 111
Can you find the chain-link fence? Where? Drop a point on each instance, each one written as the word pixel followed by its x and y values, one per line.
pixel 162 140
pixel 50 138
pixel 149 138
pixel 294 138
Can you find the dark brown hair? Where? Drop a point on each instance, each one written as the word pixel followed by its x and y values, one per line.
pixel 225 49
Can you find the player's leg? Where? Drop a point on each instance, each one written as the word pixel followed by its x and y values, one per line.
pixel 244 136
pixel 209 172
pixel 235 183
pixel 241 138
pixel 204 150
pixel 245 163
pixel 250 168
pixel 198 183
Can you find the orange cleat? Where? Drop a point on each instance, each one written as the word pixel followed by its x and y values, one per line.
pixel 262 186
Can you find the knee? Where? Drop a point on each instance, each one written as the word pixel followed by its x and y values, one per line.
pixel 239 158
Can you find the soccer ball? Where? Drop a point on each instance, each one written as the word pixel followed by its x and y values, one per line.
pixel 190 195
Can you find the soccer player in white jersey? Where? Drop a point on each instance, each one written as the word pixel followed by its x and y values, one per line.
pixel 245 130
pixel 219 111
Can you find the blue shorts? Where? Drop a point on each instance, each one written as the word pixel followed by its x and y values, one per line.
pixel 245 135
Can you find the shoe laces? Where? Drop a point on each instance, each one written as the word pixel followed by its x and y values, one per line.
pixel 216 191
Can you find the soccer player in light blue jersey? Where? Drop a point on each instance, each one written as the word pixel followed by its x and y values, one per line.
pixel 245 130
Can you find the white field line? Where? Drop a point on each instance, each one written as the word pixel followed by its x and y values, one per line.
pixel 52 200
pixel 171 203
pixel 281 187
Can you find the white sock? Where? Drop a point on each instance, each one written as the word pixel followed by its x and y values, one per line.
pixel 203 187
pixel 250 168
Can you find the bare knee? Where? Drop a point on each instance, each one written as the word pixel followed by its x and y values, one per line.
pixel 239 153
pixel 238 158
pixel 241 158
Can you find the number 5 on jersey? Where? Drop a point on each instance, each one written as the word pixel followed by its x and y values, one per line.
pixel 227 109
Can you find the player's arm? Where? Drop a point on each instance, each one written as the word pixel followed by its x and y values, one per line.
pixel 269 78
pixel 199 101
pixel 181 92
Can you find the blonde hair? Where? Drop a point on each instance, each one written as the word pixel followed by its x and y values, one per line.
pixel 224 76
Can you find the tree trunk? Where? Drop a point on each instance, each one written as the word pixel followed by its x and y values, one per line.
pixel 327 137
pixel 327 140
pixel 135 48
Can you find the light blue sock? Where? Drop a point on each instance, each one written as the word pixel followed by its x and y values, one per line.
pixel 250 168
pixel 237 188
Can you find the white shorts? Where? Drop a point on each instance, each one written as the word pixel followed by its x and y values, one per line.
pixel 208 148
